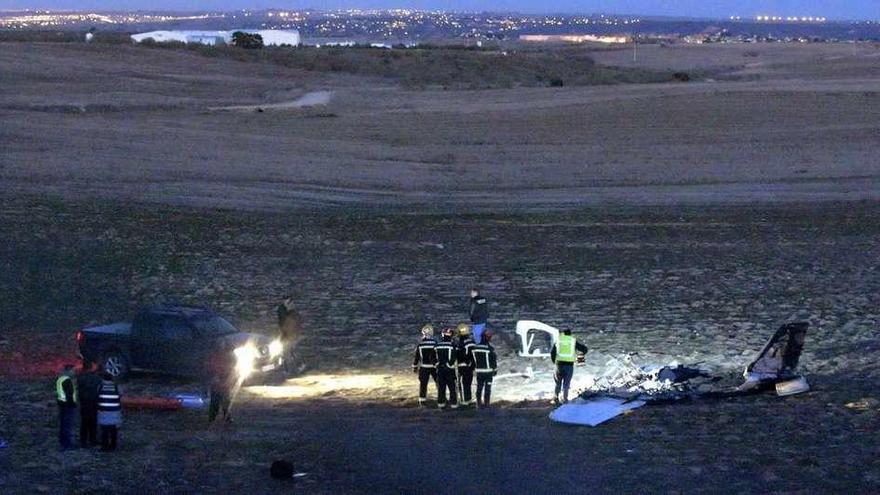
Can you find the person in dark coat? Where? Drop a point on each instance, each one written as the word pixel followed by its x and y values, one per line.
pixel 87 383
pixel 221 381
pixel 478 312
pixel 66 396
pixel 486 367
pixel 289 322
pixel 290 327
pixel 425 362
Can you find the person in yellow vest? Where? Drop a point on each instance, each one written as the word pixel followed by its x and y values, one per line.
pixel 65 393
pixel 564 353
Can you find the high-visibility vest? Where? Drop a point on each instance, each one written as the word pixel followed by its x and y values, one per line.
pixel 565 349
pixel 59 389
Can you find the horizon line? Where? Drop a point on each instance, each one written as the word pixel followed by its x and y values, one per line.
pixel 744 18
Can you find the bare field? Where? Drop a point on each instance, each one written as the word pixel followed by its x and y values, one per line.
pixel 687 284
pixel 679 221
pixel 133 123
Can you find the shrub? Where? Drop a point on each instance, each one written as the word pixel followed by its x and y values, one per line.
pixel 249 41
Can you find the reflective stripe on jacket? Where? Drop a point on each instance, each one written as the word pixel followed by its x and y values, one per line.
pixel 484 358
pixel 61 394
pixel 426 354
pixel 108 397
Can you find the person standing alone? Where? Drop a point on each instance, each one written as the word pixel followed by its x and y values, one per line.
pixel 290 327
pixel 564 354
pixel 109 412
pixel 478 313
pixel 66 395
pixel 87 384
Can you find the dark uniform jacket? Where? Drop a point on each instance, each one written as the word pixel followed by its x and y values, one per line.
pixel 426 354
pixel 289 323
pixel 485 360
pixel 464 356
pixel 446 354
pixel 479 310
pixel 87 385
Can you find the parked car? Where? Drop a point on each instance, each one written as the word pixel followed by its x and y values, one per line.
pixel 176 340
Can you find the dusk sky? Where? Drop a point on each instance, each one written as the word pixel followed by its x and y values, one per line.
pixel 836 9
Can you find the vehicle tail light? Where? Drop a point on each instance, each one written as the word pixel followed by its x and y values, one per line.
pixel 80 336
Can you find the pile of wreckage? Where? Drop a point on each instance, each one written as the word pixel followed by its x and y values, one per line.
pixel 626 386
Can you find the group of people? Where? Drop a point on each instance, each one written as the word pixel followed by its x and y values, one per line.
pixel 462 354
pixel 453 363
pixel 466 352
pixel 97 398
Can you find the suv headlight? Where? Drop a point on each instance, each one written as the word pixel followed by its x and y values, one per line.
pixel 245 357
pixel 276 348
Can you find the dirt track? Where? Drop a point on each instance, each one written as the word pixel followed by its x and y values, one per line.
pixel 128 123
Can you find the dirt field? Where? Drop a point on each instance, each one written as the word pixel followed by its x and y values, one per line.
pixel 133 123
pixel 680 221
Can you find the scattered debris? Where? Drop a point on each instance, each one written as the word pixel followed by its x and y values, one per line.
pixel 625 386
pixel 865 404
pixel 593 412
pixel 798 385
pixel 190 401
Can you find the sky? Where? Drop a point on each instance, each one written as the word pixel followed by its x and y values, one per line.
pixel 833 9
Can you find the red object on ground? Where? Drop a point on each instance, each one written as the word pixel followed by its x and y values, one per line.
pixel 153 403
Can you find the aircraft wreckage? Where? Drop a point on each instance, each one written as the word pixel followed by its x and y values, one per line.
pixel 626 386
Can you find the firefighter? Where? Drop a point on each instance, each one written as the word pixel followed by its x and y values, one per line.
pixel 447 370
pixel 66 395
pixel 478 313
pixel 465 363
pixel 486 367
pixel 425 362
pixel 564 353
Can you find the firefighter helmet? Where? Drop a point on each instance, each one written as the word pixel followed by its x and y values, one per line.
pixel 448 332
pixel 464 329
pixel 428 330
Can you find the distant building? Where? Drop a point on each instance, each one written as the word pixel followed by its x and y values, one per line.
pixel 574 38
pixel 271 37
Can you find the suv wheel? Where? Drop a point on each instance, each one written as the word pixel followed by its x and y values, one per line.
pixel 116 365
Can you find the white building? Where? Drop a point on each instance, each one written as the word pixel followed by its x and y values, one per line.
pixel 271 37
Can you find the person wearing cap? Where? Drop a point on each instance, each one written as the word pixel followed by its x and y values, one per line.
pixel 465 363
pixel 67 397
pixel 447 370
pixel 425 362
pixel 564 353
pixel 485 367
